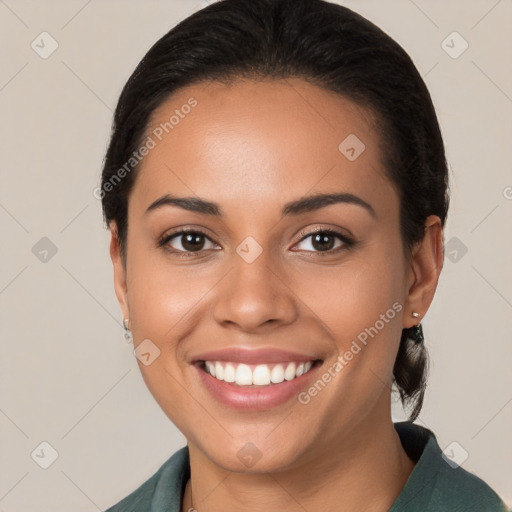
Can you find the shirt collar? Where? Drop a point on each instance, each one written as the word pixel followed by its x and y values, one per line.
pixel 419 443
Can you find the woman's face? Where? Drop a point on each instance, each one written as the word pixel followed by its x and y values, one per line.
pixel 260 279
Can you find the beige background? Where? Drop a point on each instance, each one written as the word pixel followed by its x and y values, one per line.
pixel 67 375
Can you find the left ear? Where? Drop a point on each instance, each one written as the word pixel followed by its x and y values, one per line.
pixel 425 266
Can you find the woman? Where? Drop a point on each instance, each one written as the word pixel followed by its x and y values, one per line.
pixel 276 189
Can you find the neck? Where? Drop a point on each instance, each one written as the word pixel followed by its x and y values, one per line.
pixel 366 470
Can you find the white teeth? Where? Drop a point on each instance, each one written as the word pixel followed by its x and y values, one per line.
pixel 219 371
pixel 229 373
pixel 243 375
pixel 259 375
pixel 211 368
pixel 277 374
pixel 289 373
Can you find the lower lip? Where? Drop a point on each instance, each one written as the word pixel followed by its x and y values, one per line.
pixel 255 398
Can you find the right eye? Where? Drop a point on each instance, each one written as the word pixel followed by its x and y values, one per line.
pixel 186 241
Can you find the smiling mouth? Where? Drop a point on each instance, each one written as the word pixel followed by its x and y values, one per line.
pixel 257 375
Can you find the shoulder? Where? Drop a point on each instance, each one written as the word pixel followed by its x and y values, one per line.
pixel 162 491
pixel 458 489
pixel 139 500
pixel 437 483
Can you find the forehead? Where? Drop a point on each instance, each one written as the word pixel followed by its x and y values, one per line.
pixel 257 141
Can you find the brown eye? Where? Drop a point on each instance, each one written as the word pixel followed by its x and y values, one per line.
pixel 186 241
pixel 324 241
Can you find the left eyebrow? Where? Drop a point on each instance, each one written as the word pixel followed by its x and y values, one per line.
pixel 317 201
pixel 297 207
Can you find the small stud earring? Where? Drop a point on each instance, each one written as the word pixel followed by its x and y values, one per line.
pixel 127 333
pixel 415 315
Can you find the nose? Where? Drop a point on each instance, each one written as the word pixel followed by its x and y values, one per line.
pixel 254 296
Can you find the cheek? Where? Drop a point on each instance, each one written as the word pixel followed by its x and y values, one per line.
pixel 164 297
pixel 165 305
pixel 361 305
pixel 352 296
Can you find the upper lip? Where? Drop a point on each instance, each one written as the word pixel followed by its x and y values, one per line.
pixel 252 356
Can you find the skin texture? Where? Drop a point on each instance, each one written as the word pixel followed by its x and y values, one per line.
pixel 252 146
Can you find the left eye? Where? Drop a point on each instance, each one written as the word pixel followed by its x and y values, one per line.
pixel 323 241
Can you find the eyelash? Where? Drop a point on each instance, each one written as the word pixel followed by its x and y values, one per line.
pixel 348 242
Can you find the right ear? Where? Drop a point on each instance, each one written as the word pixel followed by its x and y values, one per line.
pixel 120 286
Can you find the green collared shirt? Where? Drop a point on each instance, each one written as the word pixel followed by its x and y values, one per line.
pixel 435 485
